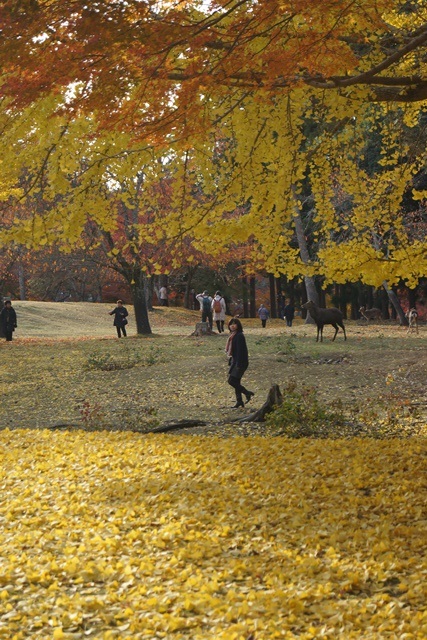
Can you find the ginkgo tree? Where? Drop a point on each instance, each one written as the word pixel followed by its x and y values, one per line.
pixel 301 147
pixel 140 205
pixel 291 84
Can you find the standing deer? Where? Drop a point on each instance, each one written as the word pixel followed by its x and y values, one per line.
pixel 412 316
pixel 371 314
pixel 321 317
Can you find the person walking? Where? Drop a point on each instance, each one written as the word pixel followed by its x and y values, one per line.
pixel 8 320
pixel 163 295
pixel 218 309
pixel 237 352
pixel 205 302
pixel 263 315
pixel 289 313
pixel 120 314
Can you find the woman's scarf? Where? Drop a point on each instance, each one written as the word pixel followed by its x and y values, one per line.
pixel 229 345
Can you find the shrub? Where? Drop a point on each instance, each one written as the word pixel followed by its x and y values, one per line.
pixel 303 416
pixel 126 359
pixel 283 344
pixel 92 416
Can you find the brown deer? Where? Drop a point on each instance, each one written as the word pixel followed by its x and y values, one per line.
pixel 321 317
pixel 412 316
pixel 371 314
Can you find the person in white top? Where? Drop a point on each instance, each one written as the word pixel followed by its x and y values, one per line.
pixel 163 294
pixel 218 309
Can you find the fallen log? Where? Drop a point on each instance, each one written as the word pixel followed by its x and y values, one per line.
pixel 179 424
pixel 63 425
pixel 274 399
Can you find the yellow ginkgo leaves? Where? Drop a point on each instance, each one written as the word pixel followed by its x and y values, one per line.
pixel 119 535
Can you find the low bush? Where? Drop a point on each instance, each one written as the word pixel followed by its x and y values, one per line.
pixel 126 359
pixel 303 415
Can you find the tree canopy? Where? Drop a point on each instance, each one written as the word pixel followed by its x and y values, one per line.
pixel 125 55
pixel 296 128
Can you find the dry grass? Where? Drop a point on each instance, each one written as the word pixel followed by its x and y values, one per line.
pixel 83 319
pixel 127 535
pixel 65 366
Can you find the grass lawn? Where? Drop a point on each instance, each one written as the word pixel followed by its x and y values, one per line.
pixel 107 531
pixel 65 365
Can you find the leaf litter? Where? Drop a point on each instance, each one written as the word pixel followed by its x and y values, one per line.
pixel 109 533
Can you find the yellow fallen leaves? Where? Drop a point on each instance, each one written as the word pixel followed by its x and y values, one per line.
pixel 118 535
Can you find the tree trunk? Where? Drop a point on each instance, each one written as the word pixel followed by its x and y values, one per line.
pixel 245 297
pixel 280 303
pixel 310 284
pixel 189 291
pixel 140 306
pixel 391 294
pixel 382 301
pixel 412 298
pixel 355 306
pixel 370 302
pixel 252 296
pixel 274 399
pixel 393 314
pixel 340 295
pixel 396 304
pixel 273 310
pixel 149 292
pixel 21 278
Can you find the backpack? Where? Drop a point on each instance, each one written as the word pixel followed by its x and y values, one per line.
pixel 217 306
pixel 206 304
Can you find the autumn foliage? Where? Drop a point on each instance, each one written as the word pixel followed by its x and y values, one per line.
pixel 293 129
pixel 137 49
pixel 125 536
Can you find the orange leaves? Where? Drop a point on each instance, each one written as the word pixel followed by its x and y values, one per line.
pixel 123 50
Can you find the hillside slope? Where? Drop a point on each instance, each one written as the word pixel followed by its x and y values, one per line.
pixel 88 319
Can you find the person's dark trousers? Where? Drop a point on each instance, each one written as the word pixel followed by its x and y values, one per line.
pixel 264 322
pixel 220 326
pixel 238 387
pixel 123 331
pixel 8 336
pixel 289 322
pixel 207 317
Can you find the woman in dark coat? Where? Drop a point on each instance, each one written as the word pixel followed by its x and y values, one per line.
pixel 8 320
pixel 237 352
pixel 289 313
pixel 120 314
